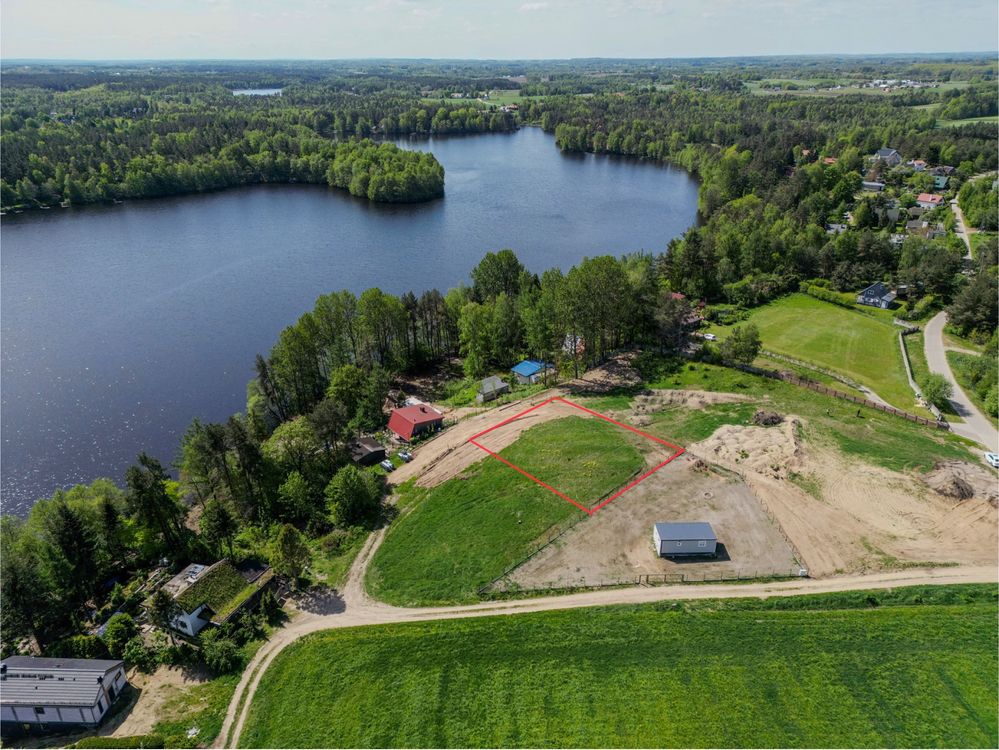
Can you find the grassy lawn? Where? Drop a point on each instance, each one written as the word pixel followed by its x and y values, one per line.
pixel 867 434
pixel 468 530
pixel 978 239
pixel 859 346
pixel 907 668
pixel 917 360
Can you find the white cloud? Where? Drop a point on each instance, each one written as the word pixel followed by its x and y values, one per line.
pixel 533 7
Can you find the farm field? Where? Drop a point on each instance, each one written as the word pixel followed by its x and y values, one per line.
pixel 466 531
pixel 908 667
pixel 966 121
pixel 856 345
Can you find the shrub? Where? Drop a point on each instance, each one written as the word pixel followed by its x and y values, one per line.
pixel 137 654
pixel 220 654
pixel 135 741
pixel 78 647
pixel 120 630
pixel 936 389
pixel 843 299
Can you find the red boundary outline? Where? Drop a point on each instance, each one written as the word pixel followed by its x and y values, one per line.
pixel 589 511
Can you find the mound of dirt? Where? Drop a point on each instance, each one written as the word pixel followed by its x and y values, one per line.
pixel 961 480
pixel 770 452
pixel 765 418
pixel 653 401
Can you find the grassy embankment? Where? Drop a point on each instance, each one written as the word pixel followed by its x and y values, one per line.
pixel 468 530
pixel 911 667
pixel 862 347
pixel 858 432
pixel 958 361
pixel 914 344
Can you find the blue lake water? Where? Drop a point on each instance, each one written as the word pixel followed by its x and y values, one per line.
pixel 120 324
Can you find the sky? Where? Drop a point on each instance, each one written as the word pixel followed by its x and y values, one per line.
pixel 488 29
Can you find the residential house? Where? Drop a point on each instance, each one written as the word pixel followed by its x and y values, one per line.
pixel 829 160
pixel 413 421
pixel 929 200
pixel 876 295
pixel 889 156
pixel 940 181
pixel 917 164
pixel 491 388
pixel 366 451
pixel 915 212
pixel 55 694
pixel 212 594
pixel 876 187
pixel 942 171
pixel 836 228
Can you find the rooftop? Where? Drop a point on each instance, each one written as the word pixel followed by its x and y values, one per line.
pixel 37 681
pixel 529 367
pixel 222 588
pixel 686 531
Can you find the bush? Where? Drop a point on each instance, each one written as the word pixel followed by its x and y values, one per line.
pixel 135 741
pixel 220 654
pixel 137 654
pixel 936 389
pixel 78 647
pixel 120 629
pixel 843 299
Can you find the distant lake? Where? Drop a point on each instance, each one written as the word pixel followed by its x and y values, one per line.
pixel 120 324
pixel 257 92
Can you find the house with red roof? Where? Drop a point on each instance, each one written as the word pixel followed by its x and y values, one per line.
pixel 928 200
pixel 413 421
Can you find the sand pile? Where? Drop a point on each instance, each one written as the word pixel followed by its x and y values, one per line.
pixel 960 480
pixel 773 452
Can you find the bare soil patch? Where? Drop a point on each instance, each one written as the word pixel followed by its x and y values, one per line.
pixel 616 543
pixel 156 689
pixel 845 516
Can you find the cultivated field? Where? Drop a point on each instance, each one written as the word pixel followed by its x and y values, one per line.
pixel 899 668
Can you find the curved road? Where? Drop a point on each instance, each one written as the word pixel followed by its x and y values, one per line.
pixel 352 607
pixel 976 425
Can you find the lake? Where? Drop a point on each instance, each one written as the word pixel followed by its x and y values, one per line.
pixel 120 324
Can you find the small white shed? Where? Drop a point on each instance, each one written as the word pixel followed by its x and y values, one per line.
pixel 684 539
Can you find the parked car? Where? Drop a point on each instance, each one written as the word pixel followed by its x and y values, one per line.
pixel 406 456
pixel 387 465
pixel 710 337
pixel 993 459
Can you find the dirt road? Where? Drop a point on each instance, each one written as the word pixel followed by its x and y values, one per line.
pixel 976 425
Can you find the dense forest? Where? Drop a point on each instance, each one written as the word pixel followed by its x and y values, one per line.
pixel 776 172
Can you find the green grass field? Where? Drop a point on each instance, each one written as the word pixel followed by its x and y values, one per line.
pixel 920 369
pixel 468 530
pixel 909 668
pixel 966 121
pixel 956 359
pixel 859 346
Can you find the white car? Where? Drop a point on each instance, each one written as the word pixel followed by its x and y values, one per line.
pixel 387 465
pixel 993 460
pixel 710 337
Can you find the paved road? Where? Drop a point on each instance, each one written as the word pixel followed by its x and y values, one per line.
pixel 352 607
pixel 961 229
pixel 976 425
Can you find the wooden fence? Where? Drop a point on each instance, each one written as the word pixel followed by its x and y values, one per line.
pixel 788 377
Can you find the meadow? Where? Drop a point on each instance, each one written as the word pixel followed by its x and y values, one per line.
pixel 859 346
pixel 458 536
pixel 910 667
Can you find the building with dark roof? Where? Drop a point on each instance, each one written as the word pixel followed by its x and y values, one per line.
pixel 492 387
pixel 50 694
pixel 412 421
pixel 684 539
pixel 366 451
pixel 876 295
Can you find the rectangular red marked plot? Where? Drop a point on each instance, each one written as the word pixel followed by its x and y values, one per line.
pixel 677 451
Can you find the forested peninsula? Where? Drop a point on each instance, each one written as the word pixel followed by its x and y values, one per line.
pixel 141 138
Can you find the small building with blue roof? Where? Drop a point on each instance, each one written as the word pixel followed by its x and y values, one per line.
pixel 530 371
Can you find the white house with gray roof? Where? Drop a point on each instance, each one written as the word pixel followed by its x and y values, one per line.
pixel 44 694
pixel 684 539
